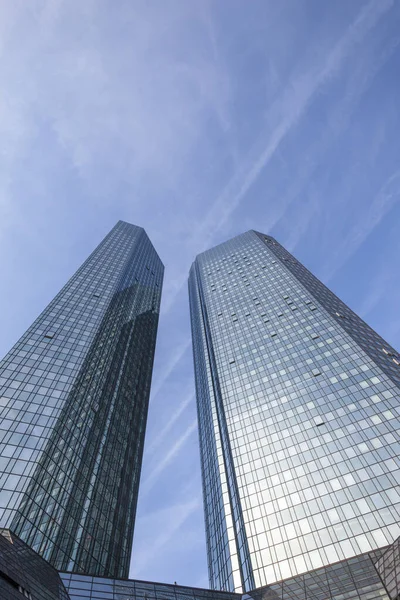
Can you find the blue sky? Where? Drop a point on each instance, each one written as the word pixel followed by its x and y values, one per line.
pixel 197 120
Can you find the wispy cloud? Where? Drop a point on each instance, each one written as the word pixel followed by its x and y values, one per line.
pixel 170 364
pixel 154 444
pixel 303 187
pixel 161 526
pixel 387 197
pixel 380 286
pixel 169 456
pixel 291 106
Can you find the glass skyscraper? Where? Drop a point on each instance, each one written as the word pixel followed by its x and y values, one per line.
pixel 74 394
pixel 299 420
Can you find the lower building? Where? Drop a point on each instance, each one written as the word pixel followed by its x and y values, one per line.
pixel 84 587
pixel 353 579
pixel 388 567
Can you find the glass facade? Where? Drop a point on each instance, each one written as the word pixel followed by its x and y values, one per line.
pixel 299 414
pixel 74 396
pixel 352 579
pixel 24 574
pixel 388 567
pixel 81 587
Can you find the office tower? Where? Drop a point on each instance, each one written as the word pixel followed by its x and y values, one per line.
pixel 74 398
pixel 298 408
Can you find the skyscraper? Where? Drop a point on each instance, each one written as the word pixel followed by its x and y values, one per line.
pixel 74 397
pixel 299 420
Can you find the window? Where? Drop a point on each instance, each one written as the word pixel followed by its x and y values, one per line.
pixel 387 352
